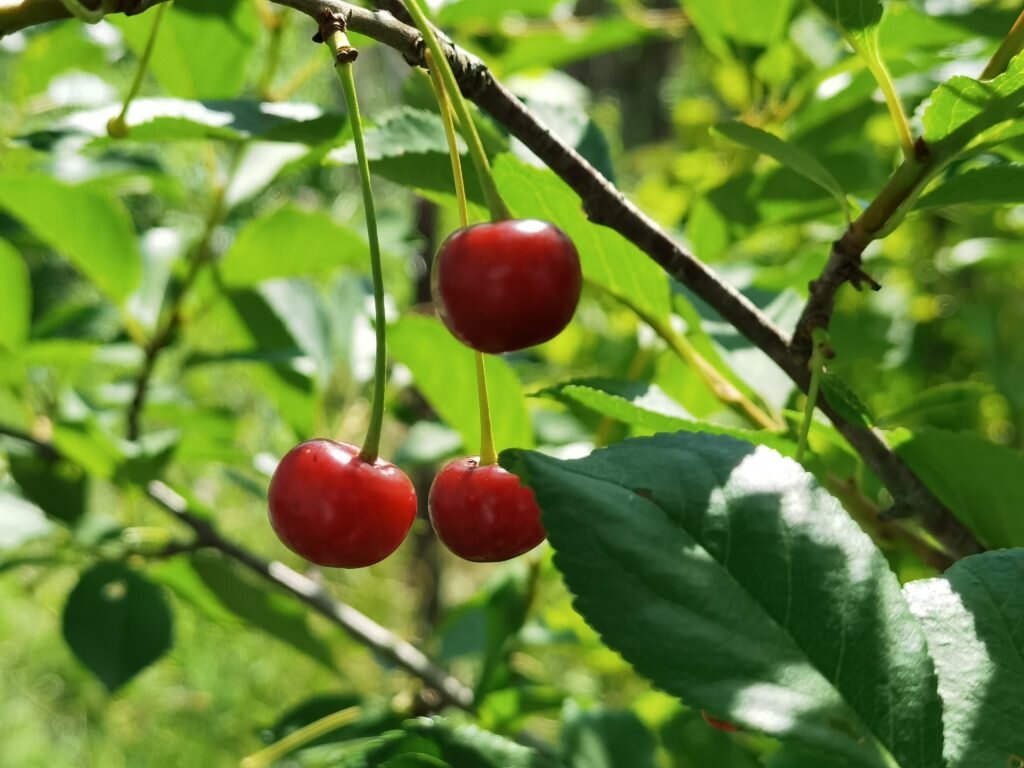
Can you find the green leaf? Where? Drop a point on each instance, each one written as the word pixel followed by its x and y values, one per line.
pixel 167 119
pixel 202 50
pixel 646 406
pixel 373 721
pixel 727 576
pixel 462 12
pixel 608 259
pixel 982 483
pixel 226 595
pixel 90 228
pixel 962 108
pixel 749 22
pixel 785 153
pixel 314 243
pixel 952 405
pixel 972 618
pixel 844 400
pixel 445 373
pixel 605 738
pixel 15 298
pixel 59 488
pixel 992 185
pixel 117 623
pixel 20 521
pixel 551 47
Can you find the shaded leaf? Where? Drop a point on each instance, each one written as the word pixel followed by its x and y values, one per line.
pixel 606 738
pixel 727 576
pixel 971 617
pixel 844 400
pixel 117 623
pixel 982 483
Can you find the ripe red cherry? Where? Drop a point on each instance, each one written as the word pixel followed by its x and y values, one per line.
pixel 335 509
pixel 507 285
pixel 721 725
pixel 484 514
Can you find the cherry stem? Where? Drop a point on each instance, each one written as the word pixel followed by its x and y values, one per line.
pixel 817 366
pixel 488 454
pixel 338 41
pixel 499 211
pixel 301 737
pixel 140 74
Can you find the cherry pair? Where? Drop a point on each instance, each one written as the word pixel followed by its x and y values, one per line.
pixel 336 509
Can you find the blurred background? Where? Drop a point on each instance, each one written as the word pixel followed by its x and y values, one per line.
pixel 257 364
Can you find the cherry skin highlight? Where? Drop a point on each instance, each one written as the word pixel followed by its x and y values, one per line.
pixel 484 514
pixel 507 285
pixel 335 509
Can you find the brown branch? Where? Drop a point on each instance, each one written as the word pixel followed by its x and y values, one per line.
pixel 606 205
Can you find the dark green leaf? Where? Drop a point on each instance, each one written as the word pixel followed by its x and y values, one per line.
pixel 723 573
pixel 90 228
pixel 857 17
pixel 117 623
pixel 948 406
pixel 972 619
pixel 605 738
pixel 981 482
pixel 373 720
pixel 844 400
pixel 58 487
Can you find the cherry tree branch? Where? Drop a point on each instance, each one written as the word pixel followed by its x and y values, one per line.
pixel 606 205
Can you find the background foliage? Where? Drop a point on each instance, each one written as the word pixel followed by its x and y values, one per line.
pixel 218 254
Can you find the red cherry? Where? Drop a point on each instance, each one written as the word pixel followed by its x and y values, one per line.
pixel 507 285
pixel 484 514
pixel 333 508
pixel 721 725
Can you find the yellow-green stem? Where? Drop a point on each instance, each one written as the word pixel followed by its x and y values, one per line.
pixel 892 101
pixel 817 366
pixel 488 454
pixel 477 153
pixel 371 446
pixel 300 738
pixel 120 122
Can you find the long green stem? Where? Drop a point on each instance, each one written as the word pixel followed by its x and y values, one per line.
pixel 477 152
pixel 817 365
pixel 892 101
pixel 300 738
pixel 118 127
pixel 488 454
pixel 371 446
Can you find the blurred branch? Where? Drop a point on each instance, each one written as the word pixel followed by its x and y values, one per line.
pixel 1010 47
pixel 361 627
pixel 606 205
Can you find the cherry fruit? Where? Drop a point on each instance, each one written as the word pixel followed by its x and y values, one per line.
pixel 483 513
pixel 507 285
pixel 335 509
